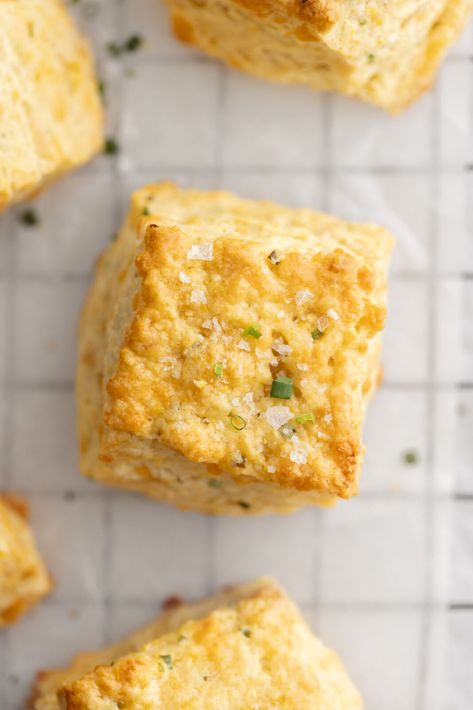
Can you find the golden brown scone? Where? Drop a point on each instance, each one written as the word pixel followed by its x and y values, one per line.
pixel 245 648
pixel 199 305
pixel 23 576
pixel 50 110
pixel 383 52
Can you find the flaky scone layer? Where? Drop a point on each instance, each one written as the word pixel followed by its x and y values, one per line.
pixel 23 576
pixel 245 648
pixel 51 114
pixel 178 353
pixel 383 52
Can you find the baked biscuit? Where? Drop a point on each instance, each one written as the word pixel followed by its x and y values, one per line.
pixel 245 648
pixel 23 577
pixel 227 349
pixel 51 114
pixel 383 52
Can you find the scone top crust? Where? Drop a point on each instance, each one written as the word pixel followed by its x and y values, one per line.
pixel 233 295
pixel 255 652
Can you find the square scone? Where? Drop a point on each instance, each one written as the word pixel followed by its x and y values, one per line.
pixel 227 349
pixel 51 112
pixel 23 576
pixel 383 52
pixel 245 648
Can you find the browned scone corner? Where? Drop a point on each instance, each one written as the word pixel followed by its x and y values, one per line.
pixel 384 53
pixel 23 576
pixel 246 647
pixel 227 350
pixel 51 111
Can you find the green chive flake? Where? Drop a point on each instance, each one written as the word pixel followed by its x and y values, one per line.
pixel 243 504
pixel 29 218
pixel 316 334
pixel 237 422
pixel 411 458
pixel 110 147
pixel 304 418
pixel 133 43
pixel 253 331
pixel 215 483
pixel 282 388
pixel 246 632
pixel 218 369
pixel 145 211
pixel 167 659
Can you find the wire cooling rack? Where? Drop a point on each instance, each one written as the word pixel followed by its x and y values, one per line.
pixel 371 576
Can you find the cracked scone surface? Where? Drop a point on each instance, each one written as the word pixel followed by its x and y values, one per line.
pixel 23 576
pixel 245 648
pixel 380 51
pixel 199 306
pixel 51 114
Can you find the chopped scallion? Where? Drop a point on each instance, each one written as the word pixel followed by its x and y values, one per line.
pixel 167 658
pixel 110 147
pixel 29 218
pixel 237 422
pixel 243 504
pixel 281 388
pixel 274 257
pixel 215 483
pixel 287 431
pixel 218 369
pixel 304 418
pixel 411 457
pixel 253 331
pixel 316 334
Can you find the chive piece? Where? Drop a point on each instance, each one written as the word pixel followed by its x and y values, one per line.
pixel 281 388
pixel 167 658
pixel 110 146
pixel 237 422
pixel 287 431
pixel 29 218
pixel 145 211
pixel 304 418
pixel 253 331
pixel 133 43
pixel 246 632
pixel 363 21
pixel 215 483
pixel 316 334
pixel 274 257
pixel 370 58
pixel 114 49
pixel 181 638
pixel 243 504
pixel 411 457
pixel 101 88
pixel 218 369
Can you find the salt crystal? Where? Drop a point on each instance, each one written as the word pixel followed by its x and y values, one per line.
pixel 183 278
pixel 333 314
pixel 281 348
pixel 298 456
pixel 198 296
pixel 277 416
pixel 202 252
pixel 303 296
pixel 243 345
